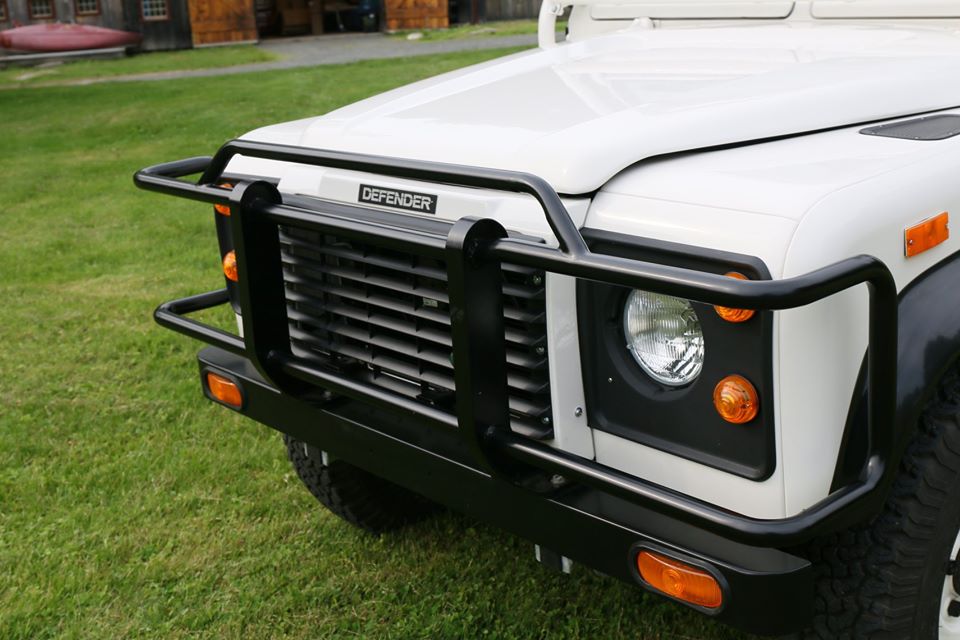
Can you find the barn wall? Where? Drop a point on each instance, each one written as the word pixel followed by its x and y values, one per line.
pixel 17 12
pixel 160 35
pixel 415 14
pixel 217 21
pixel 511 9
pixel 111 14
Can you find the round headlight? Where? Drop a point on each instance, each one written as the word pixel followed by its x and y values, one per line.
pixel 664 335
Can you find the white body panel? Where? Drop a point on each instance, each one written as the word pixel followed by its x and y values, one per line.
pixel 578 114
pixel 798 204
pixel 607 115
pixel 884 9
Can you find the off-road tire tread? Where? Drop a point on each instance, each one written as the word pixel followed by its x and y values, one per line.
pixel 361 498
pixel 869 579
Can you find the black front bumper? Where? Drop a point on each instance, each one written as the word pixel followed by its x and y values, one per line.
pixel 470 459
pixel 767 591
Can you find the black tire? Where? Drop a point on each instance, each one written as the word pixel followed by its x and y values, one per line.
pixel 361 498
pixel 885 579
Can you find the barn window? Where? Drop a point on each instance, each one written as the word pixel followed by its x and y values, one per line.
pixel 40 8
pixel 155 10
pixel 87 7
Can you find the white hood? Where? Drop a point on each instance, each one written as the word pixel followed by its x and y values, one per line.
pixel 580 113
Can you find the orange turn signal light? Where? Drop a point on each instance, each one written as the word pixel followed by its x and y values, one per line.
pixel 680 580
pixel 230 266
pixel 736 400
pixel 735 315
pixel 224 390
pixel 223 209
pixel 926 235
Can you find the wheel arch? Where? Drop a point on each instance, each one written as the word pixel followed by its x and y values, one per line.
pixel 928 345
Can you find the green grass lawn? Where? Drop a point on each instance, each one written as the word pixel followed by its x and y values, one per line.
pixel 132 507
pixel 207 58
pixel 485 30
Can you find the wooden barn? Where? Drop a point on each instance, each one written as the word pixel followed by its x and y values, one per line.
pixel 164 24
pixel 181 24
pixel 415 14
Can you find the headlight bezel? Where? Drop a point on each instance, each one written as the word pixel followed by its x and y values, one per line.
pixel 624 400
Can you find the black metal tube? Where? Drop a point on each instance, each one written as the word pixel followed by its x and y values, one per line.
pixel 170 315
pixel 478 177
pixel 165 178
pixel 364 392
pixel 826 515
pixel 698 285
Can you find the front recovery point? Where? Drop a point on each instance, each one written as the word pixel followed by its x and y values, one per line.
pixel 469 458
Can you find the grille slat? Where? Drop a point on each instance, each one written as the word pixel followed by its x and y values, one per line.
pixel 420 272
pixel 518 403
pixel 377 297
pixel 426 354
pixel 383 316
pixel 520 346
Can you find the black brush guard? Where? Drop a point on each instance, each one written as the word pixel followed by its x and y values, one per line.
pixel 474 250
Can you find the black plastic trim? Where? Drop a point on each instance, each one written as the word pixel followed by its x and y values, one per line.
pixel 928 345
pixel 623 400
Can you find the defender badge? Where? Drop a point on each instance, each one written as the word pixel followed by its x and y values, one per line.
pixel 409 200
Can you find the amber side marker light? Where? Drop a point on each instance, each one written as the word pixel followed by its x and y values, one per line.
pixel 230 266
pixel 735 315
pixel 680 580
pixel 224 390
pixel 223 209
pixel 926 235
pixel 736 400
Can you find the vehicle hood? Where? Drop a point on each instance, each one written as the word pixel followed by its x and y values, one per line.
pixel 581 112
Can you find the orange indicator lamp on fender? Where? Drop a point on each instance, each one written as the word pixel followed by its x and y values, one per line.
pixel 926 235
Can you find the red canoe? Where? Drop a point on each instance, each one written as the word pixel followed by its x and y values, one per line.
pixel 65 37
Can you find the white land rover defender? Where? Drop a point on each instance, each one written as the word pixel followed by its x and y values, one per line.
pixel 675 298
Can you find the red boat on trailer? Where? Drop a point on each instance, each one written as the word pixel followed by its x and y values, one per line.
pixel 43 38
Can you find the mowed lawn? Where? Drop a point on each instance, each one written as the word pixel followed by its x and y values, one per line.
pixel 132 507
pixel 209 58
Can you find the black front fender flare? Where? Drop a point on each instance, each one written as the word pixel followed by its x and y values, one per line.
pixel 928 346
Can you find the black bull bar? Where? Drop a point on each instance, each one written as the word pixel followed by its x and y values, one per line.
pixel 474 250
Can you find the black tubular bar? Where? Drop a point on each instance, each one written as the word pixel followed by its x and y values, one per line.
pixel 474 250
pixel 833 512
pixel 375 396
pixel 479 346
pixel 170 315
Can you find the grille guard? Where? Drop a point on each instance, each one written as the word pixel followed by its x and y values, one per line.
pixel 474 249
